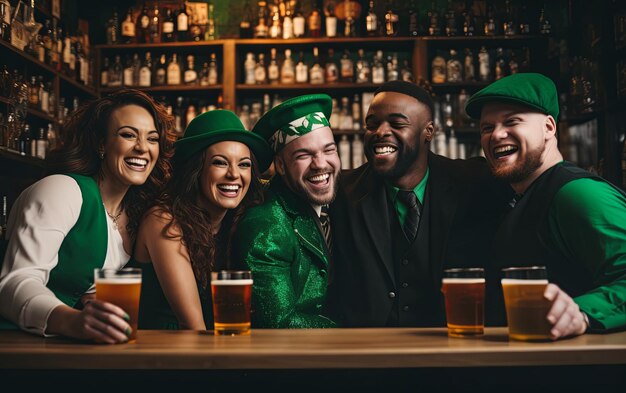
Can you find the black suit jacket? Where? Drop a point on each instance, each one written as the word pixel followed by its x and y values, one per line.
pixel 463 201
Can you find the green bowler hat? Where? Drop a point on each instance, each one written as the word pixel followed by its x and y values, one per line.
pixel 529 89
pixel 294 118
pixel 217 126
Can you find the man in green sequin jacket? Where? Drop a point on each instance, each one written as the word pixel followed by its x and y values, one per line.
pixel 283 241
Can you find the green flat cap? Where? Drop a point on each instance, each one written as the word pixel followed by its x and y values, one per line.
pixel 293 118
pixel 217 126
pixel 529 89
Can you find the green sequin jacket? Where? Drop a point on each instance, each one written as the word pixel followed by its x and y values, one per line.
pixel 282 244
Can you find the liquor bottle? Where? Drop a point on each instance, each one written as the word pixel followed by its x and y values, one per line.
pixel 143 25
pixel 68 67
pixel 468 66
pixel 451 23
pixel 128 72
pixel 178 117
pixel 23 141
pixel 261 30
pixel 315 20
pixel 447 111
pixel 44 96
pixel 334 115
pixel 357 151
pixel 5 21
pixel 344 152
pixel 155 24
pixel 331 21
pixel 288 71
pixel 508 26
pixel 145 72
pixel 128 28
pixel 347 68
pixel 316 73
pixel 52 100
pixel 213 75
pixel 167 29
pixel 276 30
pixel 469 21
pixel 462 118
pixel 406 74
pixel 302 70
pixel 136 67
pixel 54 50
pixel 190 76
pixel 182 24
pixel 204 74
pixel 453 145
pixel 298 22
pixel 33 92
pixel 112 29
pixel 545 28
pixel 524 24
pixel 47 40
pixel 500 65
pixel 173 71
pixel 438 71
pixel 345 118
pixel 41 144
pixel 332 71
pixel 434 27
pixel 273 73
pixel 363 71
pixel 371 21
pixel 453 68
pixel 414 20
pixel 484 71
pixel 248 67
pixel 115 76
pixel 393 74
pixel 490 22
pixel 356 113
pixel 244 117
pixel 392 21
pixel 190 114
pixel 513 65
pixel 260 75
pixel 82 64
pixel 288 22
pixel 378 70
pixel 245 26
pixel 160 74
pixel 40 49
pixel 211 31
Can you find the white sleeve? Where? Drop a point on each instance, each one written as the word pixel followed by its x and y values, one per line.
pixel 39 220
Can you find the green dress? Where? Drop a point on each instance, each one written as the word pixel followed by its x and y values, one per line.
pixel 155 311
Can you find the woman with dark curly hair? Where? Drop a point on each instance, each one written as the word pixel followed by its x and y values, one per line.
pixel 187 234
pixel 112 163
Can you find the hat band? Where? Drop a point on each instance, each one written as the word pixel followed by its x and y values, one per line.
pixel 297 128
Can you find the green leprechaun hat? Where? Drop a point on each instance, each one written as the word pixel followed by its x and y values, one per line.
pixel 294 118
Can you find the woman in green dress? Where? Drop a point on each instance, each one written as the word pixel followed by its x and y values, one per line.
pixel 187 233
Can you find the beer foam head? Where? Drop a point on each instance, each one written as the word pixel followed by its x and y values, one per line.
pixel 463 280
pixel 119 280
pixel 232 282
pixel 517 281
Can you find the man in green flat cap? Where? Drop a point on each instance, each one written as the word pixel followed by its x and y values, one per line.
pixel 562 217
pixel 286 241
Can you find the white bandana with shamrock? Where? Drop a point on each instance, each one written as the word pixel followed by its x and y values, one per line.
pixel 297 128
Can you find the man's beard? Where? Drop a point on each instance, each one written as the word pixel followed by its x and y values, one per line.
pixel 406 156
pixel 519 170
pixel 312 198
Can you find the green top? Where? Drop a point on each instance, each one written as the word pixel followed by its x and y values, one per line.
pixel 587 221
pixel 401 208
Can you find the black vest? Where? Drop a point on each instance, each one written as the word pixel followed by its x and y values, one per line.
pixel 418 301
pixel 523 239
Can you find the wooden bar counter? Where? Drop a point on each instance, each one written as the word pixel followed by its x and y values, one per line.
pixel 364 358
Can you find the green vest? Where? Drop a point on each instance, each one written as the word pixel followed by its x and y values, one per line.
pixel 84 247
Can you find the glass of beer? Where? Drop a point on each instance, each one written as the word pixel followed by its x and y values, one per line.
pixel 122 288
pixel 526 308
pixel 232 295
pixel 464 293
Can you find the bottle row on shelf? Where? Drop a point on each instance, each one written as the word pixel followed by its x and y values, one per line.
pixel 25 139
pixel 48 43
pixel 348 69
pixel 146 73
pixel 484 66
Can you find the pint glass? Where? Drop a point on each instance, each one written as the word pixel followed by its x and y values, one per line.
pixel 122 288
pixel 464 292
pixel 232 295
pixel 526 308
